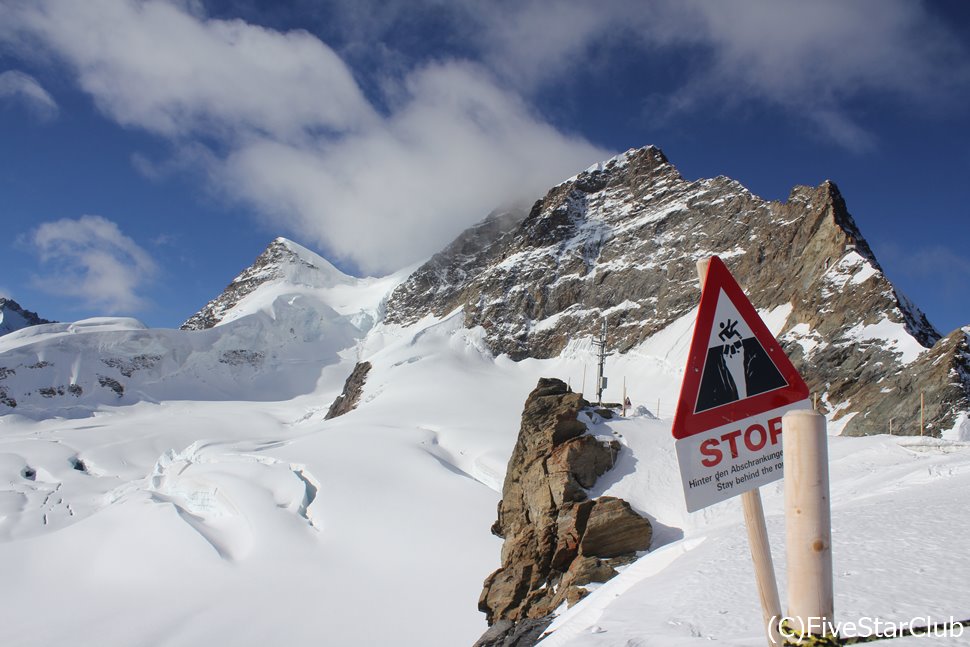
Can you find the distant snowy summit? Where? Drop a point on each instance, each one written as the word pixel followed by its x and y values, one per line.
pixel 282 262
pixel 14 317
pixel 267 337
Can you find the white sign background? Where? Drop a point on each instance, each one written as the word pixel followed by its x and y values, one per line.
pixel 758 460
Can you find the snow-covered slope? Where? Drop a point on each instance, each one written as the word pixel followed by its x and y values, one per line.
pixel 272 343
pixel 183 487
pixel 170 523
pixel 697 583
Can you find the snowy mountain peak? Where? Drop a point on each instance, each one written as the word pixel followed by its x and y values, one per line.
pixel 14 317
pixel 290 253
pixel 283 261
pixel 620 241
pixel 647 159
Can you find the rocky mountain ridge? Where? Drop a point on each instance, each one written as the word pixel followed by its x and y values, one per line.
pixel 621 241
pixel 15 317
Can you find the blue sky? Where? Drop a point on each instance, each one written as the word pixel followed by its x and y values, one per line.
pixel 149 150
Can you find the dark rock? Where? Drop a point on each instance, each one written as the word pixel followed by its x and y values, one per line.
pixel 570 527
pixel 350 396
pixel 587 570
pixel 5 398
pixel 506 633
pixel 614 529
pixel 128 365
pixel 583 457
pixel 242 357
pixel 111 383
pixel 545 513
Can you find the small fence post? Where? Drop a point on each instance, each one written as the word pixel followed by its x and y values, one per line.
pixel 808 523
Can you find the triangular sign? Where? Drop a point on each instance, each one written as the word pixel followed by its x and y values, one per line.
pixel 735 367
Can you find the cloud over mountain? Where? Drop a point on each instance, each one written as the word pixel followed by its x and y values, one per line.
pixel 394 125
pixel 285 128
pixel 89 259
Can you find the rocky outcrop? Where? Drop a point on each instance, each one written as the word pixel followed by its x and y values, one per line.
pixel 350 396
pixel 620 241
pixel 505 633
pixel 941 375
pixel 14 317
pixel 557 539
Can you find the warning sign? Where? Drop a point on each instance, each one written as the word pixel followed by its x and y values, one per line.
pixel 737 385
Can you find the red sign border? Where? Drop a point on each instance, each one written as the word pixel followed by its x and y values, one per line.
pixel 686 422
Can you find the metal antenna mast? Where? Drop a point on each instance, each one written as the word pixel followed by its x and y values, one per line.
pixel 600 378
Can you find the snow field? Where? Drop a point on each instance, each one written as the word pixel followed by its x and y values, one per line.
pixel 213 504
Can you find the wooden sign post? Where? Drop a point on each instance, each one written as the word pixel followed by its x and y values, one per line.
pixel 754 521
pixel 808 526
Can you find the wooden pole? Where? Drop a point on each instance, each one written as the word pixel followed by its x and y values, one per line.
pixel 808 524
pixel 764 568
pixel 754 520
pixel 920 413
pixel 624 396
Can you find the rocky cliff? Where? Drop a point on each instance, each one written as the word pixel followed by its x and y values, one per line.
pixel 14 317
pixel 557 539
pixel 621 240
pixel 350 395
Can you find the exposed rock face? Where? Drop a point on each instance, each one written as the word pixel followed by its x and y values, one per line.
pixel 943 376
pixel 557 540
pixel 506 633
pixel 353 387
pixel 621 240
pixel 14 317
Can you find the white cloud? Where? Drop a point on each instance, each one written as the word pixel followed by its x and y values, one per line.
pixel 813 59
pixel 17 86
pixel 277 121
pixel 90 259
pixel 456 148
pixel 157 65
